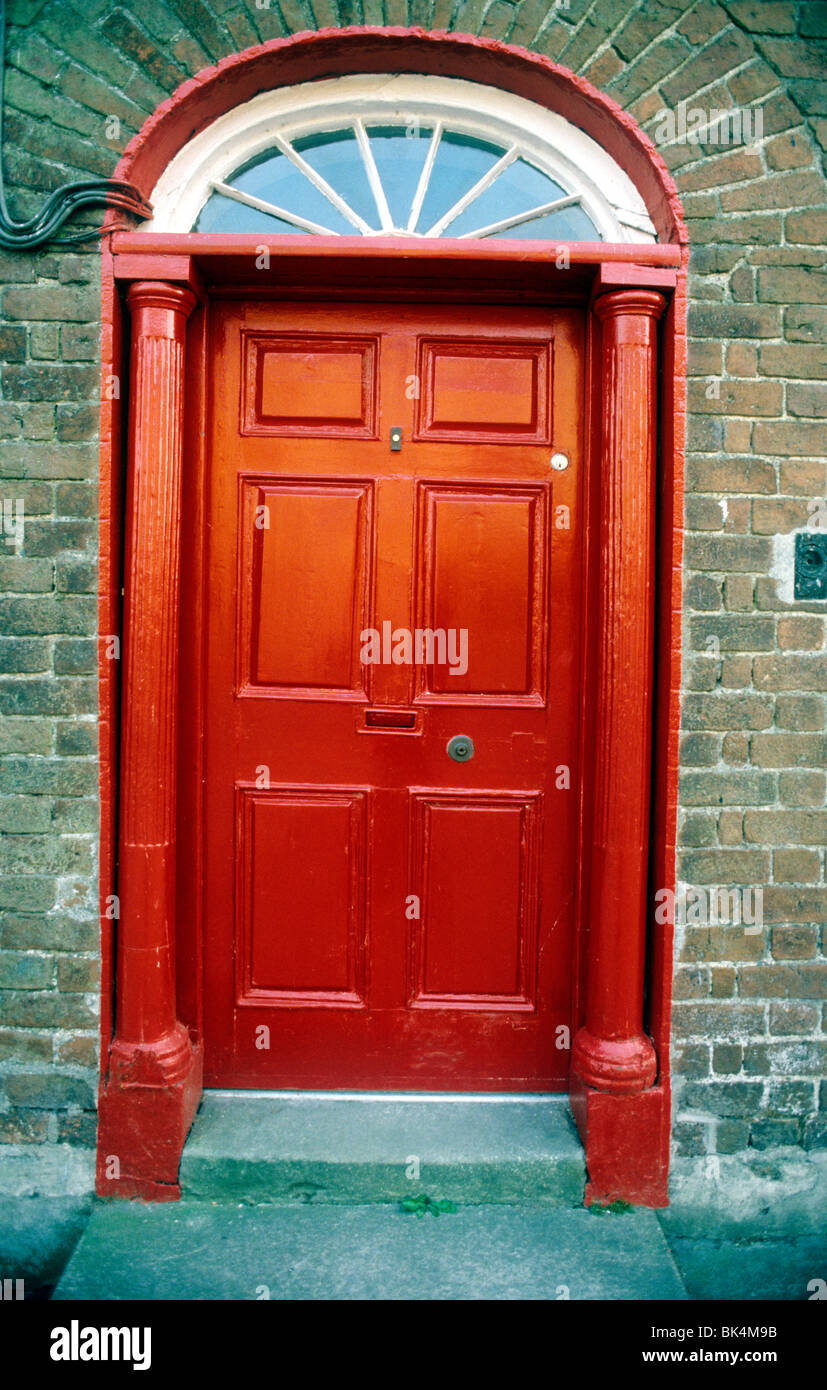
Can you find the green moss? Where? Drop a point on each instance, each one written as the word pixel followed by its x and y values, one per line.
pixel 422 1203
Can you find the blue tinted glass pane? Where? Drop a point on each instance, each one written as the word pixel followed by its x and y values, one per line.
pixel 273 178
pixel 460 162
pixel 518 188
pixel 220 214
pixel 570 224
pixel 400 153
pixel 337 157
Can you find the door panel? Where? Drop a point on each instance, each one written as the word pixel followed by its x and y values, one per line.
pixel 482 567
pixel 308 643
pixel 493 392
pixel 475 943
pixel 376 914
pixel 301 935
pixel 310 385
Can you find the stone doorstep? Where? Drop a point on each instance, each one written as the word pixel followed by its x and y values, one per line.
pixel 358 1147
pixel 297 1196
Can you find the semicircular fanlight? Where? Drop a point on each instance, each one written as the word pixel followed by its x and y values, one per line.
pixel 404 179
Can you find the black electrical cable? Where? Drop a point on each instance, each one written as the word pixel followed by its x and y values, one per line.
pixel 60 205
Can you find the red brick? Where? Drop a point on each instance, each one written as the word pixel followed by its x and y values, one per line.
pixel 802 476
pixel 781 285
pixel 794 943
pixel 785 827
pixel 801 788
pixel 749 398
pixel 788 750
pixel 789 151
pixel 722 981
pixel 790 672
pixel 726 1021
pixel 732 167
pixel 802 632
pixel 735 749
pixel 809 399
pixel 80 1051
pixel 793 1018
pixel 796 866
pixel 782 904
pixel 805 981
pixel 788 437
pixel 793 359
pixel 738 592
pixel 742 359
pixel 23 1127
pixel 809 226
pixel 763 16
pixel 730 475
pixel 800 712
pixel 727 712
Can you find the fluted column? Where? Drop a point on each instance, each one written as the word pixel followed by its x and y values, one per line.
pixel 149 1039
pixel 153 1082
pixel 611 1052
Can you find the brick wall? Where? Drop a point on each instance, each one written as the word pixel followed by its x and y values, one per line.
pixel 49 930
pixel 749 1005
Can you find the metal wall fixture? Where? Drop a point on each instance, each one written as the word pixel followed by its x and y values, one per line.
pixel 66 200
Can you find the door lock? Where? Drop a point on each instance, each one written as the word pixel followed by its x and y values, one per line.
pixel 460 748
pixel 559 462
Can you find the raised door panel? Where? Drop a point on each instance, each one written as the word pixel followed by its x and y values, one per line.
pixel 481 567
pixel 301 896
pixel 494 392
pixel 475 859
pixel 303 585
pixel 309 384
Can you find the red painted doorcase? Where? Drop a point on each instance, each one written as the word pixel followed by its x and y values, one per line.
pixel 393 562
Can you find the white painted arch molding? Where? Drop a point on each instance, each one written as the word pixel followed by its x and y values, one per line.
pixel 554 145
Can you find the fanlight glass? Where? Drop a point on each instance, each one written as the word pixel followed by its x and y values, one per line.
pixel 395 180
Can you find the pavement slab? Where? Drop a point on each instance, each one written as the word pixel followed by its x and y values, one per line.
pixel 216 1250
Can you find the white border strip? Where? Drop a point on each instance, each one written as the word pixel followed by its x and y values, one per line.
pixel 391 1097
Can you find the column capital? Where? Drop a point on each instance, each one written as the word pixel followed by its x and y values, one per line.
pixel 164 295
pixel 636 302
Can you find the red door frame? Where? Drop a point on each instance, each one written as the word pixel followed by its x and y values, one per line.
pixel 636 297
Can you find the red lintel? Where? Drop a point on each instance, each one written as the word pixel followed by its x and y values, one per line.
pixel 202 244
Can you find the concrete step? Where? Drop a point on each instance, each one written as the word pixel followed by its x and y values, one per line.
pixel 326 1147
pixel 205 1250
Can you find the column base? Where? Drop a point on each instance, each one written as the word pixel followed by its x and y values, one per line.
pixel 147 1106
pixel 620 1067
pixel 626 1140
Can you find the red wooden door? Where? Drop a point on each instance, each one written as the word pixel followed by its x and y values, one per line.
pixel 377 914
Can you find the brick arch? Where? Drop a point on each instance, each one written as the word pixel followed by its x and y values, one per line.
pixel 129 58
pixel 333 52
